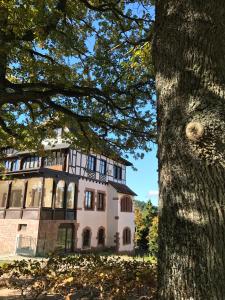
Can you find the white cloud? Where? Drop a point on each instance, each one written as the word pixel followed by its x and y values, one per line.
pixel 153 193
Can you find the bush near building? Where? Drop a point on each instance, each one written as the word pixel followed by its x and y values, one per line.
pixel 84 276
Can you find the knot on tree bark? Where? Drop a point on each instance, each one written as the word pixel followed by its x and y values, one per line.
pixel 194 131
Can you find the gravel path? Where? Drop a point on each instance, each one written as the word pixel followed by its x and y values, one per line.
pixel 7 294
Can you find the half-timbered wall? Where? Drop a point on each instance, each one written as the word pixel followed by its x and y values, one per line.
pixel 78 165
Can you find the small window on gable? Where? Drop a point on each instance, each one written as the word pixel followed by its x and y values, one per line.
pixel 117 172
pixel 126 236
pixel 91 163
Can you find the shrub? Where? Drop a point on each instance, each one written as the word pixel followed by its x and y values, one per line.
pixel 89 276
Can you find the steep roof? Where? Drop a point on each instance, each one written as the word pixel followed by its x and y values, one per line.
pixel 47 147
pixel 122 188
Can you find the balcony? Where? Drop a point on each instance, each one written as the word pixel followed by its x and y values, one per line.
pixel 38 194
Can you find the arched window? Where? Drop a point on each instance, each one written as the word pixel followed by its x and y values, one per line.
pixel 126 236
pixel 59 197
pixel 86 238
pixel 4 187
pixel 17 193
pixel 47 191
pixel 126 204
pixel 34 191
pixel 70 195
pixel 101 236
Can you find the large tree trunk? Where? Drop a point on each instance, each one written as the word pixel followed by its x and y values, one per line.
pixel 189 53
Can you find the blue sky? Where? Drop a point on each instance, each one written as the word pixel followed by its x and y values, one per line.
pixel 144 182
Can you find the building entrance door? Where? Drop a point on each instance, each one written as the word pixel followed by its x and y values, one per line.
pixel 65 238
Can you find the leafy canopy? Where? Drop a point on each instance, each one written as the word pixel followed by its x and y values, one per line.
pixel 82 64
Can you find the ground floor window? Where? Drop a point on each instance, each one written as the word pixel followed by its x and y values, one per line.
pixel 101 236
pixel 86 238
pixel 126 236
pixel 65 237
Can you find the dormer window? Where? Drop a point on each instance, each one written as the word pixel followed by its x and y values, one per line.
pixel 91 163
pixel 117 172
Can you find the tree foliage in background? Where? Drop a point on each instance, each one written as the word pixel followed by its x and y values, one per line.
pixel 144 216
pixel 81 64
pixel 153 237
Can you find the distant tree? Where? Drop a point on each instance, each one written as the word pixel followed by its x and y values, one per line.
pixel 153 237
pixel 138 226
pixel 140 204
pixel 143 220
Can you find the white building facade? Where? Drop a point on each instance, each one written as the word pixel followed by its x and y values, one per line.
pixel 65 201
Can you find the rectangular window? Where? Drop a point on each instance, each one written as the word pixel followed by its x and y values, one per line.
pixel 54 158
pixel 22 227
pixel 102 167
pixel 4 186
pixel 91 164
pixel 7 165
pixel 15 165
pixel 101 201
pixel 89 200
pixel 17 192
pixel 117 172
pixel 30 162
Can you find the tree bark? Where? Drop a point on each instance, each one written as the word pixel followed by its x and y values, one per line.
pixel 189 54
